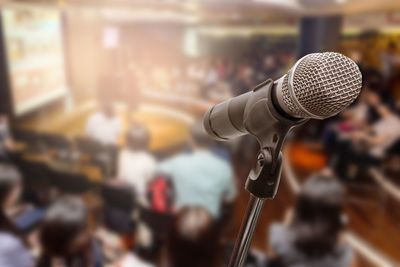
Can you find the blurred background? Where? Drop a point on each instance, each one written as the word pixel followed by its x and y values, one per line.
pixel 104 161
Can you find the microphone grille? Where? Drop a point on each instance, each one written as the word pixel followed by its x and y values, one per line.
pixel 321 85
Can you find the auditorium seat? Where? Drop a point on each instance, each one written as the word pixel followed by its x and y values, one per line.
pixel 119 204
pixel 36 175
pixel 105 157
pixel 36 179
pixel 31 139
pixel 55 141
pixel 88 145
pixel 70 183
pixel 119 197
pixel 158 222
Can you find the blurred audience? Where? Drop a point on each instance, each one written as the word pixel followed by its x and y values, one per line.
pixel 200 177
pixel 364 145
pixel 311 235
pixel 197 183
pixel 66 237
pixel 14 250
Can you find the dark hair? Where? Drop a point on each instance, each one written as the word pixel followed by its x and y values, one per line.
pixel 317 217
pixel 138 137
pixel 9 179
pixel 199 135
pixel 62 224
pixel 392 45
pixel 194 240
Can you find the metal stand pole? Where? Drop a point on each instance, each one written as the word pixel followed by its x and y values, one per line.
pixel 246 232
pixel 262 183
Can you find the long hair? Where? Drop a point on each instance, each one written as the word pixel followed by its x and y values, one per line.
pixel 62 225
pixel 317 217
pixel 9 179
pixel 194 240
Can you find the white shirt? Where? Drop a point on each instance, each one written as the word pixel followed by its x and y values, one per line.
pixel 136 168
pixel 132 260
pixel 13 253
pixel 104 129
pixel 390 128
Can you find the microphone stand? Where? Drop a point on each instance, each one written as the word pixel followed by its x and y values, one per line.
pixel 263 119
pixel 262 183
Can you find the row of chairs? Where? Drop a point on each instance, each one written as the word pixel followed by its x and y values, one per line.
pixel 59 142
pixel 40 179
pixel 103 156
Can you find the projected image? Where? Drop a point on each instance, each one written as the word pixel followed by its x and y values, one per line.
pixel 35 56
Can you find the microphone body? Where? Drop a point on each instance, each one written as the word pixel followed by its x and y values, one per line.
pixel 255 113
pixel 319 86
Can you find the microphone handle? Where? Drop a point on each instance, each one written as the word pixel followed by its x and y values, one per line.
pixel 225 120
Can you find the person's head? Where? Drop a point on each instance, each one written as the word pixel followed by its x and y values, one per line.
pixel 372 98
pixel 10 191
pixel 107 109
pixel 10 185
pixel 3 118
pixel 199 137
pixel 64 231
pixel 356 56
pixel 318 215
pixel 194 239
pixel 138 137
pixel 106 93
pixel 392 47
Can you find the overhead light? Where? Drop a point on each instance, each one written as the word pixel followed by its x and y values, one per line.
pixel 191 5
pixel 283 4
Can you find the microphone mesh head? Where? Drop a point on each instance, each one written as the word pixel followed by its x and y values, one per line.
pixel 321 85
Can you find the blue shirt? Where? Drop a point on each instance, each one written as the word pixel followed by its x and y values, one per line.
pixel 200 179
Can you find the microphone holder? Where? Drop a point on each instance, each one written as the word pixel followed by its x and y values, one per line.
pixel 262 183
pixel 263 180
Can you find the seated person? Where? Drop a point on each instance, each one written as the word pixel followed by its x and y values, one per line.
pixel 7 143
pixel 311 237
pixel 13 246
pixel 104 126
pixel 115 250
pixel 368 146
pixel 65 236
pixel 194 240
pixel 383 133
pixel 135 164
pixel 200 178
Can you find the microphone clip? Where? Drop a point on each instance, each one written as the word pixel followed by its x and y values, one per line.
pixel 263 179
pixel 263 120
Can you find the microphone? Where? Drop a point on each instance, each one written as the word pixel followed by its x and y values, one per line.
pixel 318 86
